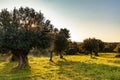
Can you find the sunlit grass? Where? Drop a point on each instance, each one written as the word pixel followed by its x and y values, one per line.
pixel 77 67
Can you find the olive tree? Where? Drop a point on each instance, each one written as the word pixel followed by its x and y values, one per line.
pixel 21 30
pixel 60 41
pixel 93 45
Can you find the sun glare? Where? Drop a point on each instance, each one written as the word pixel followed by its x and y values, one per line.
pixel 33 25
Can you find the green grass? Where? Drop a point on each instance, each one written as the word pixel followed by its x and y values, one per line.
pixel 77 67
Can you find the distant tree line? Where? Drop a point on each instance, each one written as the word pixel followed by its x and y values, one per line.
pixel 91 45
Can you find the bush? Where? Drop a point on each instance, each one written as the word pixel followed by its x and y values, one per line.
pixel 72 51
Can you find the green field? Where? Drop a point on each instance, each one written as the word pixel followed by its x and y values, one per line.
pixel 77 67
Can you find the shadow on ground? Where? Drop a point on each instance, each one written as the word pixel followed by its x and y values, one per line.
pixel 73 70
pixel 7 72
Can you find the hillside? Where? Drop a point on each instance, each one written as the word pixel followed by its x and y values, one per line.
pixel 77 67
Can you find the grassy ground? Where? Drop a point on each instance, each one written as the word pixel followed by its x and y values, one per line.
pixel 78 67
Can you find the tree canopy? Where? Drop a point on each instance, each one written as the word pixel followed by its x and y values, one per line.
pixel 93 45
pixel 21 30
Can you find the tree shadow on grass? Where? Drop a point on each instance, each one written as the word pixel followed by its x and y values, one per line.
pixel 86 71
pixel 7 72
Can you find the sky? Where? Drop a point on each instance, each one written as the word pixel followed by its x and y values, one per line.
pixel 84 18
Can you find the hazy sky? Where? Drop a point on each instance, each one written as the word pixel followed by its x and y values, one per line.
pixel 84 18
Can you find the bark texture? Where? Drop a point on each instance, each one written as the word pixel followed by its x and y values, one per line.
pixel 22 58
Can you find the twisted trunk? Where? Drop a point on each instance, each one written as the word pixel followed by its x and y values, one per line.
pixel 22 59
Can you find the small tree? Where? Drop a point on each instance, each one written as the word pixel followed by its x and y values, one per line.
pixel 61 41
pixel 72 48
pixel 93 45
pixel 100 46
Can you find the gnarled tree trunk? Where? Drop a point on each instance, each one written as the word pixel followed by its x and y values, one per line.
pixel 22 58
